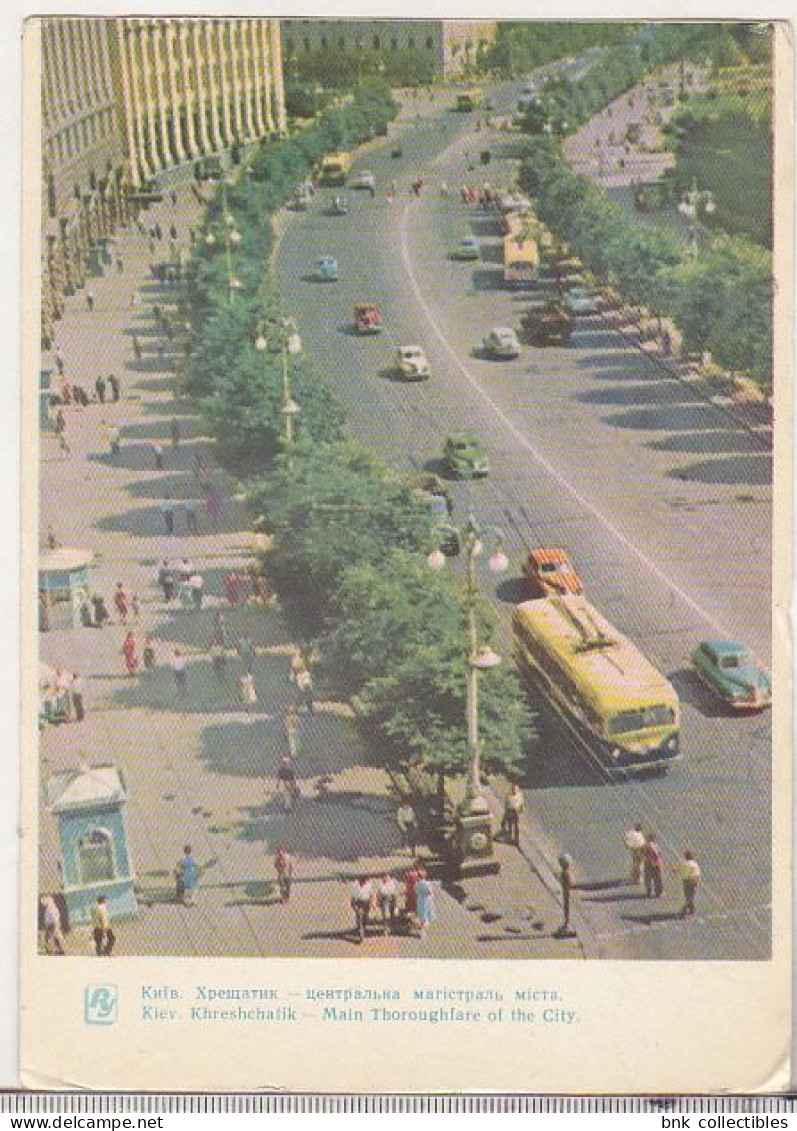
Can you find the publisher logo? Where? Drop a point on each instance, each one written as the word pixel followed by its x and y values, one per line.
pixel 100 1005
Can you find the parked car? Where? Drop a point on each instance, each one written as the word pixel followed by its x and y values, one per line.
pixel 340 206
pixel 582 301
pixel 467 248
pixel 464 456
pixel 501 343
pixel 412 363
pixel 326 269
pixel 367 319
pixel 732 671
pixel 427 483
pixel 550 571
pixel 440 503
pixel 363 180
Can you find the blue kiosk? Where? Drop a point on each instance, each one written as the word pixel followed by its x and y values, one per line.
pixel 63 587
pixel 95 856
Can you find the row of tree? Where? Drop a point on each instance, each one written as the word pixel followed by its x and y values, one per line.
pixel 349 538
pixel 720 299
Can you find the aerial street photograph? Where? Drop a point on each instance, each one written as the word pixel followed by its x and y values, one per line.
pixel 405 421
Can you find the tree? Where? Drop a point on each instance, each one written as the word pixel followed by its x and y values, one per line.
pixel 401 643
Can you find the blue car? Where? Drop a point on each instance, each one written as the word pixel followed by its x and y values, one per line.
pixel 326 269
pixel 733 673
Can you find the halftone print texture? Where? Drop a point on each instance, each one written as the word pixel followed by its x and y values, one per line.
pixel 280 564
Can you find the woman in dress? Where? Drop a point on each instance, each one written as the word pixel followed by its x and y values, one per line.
pixel 130 653
pixel 425 904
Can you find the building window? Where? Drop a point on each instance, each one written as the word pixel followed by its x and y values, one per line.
pixel 429 43
pixel 359 42
pixel 342 42
pixel 393 44
pixel 411 43
pixel 377 43
pixel 306 43
pixel 324 42
pixel 95 857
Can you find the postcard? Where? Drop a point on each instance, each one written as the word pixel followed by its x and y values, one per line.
pixel 407 500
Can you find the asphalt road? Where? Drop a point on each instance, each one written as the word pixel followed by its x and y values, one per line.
pixel 663 500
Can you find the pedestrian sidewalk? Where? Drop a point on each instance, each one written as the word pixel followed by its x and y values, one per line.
pixel 200 768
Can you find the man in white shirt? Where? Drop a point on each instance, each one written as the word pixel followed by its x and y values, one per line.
pixel 635 843
pixel 690 878
pixel 361 893
pixel 387 894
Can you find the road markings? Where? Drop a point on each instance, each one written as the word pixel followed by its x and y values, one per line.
pixel 534 452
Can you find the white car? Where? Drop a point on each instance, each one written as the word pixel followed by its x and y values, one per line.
pixel 364 180
pixel 412 363
pixel 582 302
pixel 502 342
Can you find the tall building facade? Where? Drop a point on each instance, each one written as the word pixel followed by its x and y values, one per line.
pixel 124 99
pixel 448 45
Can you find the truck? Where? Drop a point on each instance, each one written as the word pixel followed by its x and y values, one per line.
pixel 521 260
pixel 334 168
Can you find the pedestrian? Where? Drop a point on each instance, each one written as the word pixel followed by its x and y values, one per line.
pixel 411 878
pixel 167 509
pixel 566 881
pixel 77 690
pixel 690 878
pixel 59 363
pixel 121 603
pixel 100 611
pixel 514 804
pixel 635 843
pixel 246 688
pixel 135 608
pixel 387 897
pixel 286 782
pixel 60 430
pixel 246 651
pixel 283 866
pixel 114 440
pixel 361 893
pixel 99 386
pixel 425 909
pixel 148 653
pixel 158 232
pixel 185 569
pixel 130 653
pixel 166 580
pixel 50 540
pixel 173 232
pixel 136 347
pixel 652 868
pixel 408 825
pixel 196 584
pixel 219 629
pixel 174 428
pixel 115 387
pixel 89 300
pixel 187 878
pixel 120 267
pixel 104 937
pixel 157 452
pixel 178 663
pixel 51 924
pixel 173 197
pixel 304 685
pixel 190 516
pixel 212 503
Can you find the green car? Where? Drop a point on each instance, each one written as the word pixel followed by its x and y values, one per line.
pixel 465 457
pixel 732 671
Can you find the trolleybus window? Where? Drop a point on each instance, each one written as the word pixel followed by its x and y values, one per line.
pixel 641 718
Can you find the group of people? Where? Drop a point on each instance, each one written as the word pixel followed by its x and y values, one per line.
pixel 61 697
pixel 370 896
pixel 647 867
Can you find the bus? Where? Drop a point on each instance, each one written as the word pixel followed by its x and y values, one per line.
pixel 334 168
pixel 622 709
pixel 470 99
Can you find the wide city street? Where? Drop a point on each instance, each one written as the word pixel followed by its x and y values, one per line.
pixel 660 492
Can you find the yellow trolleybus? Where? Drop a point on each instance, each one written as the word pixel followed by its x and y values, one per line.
pixel 622 708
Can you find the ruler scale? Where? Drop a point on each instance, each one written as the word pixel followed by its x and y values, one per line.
pixel 256 1103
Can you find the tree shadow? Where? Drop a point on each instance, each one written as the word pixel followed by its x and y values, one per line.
pixel 147 522
pixel 487 280
pixel 651 393
pixel 194 629
pixel 653 918
pixel 693 691
pixel 513 591
pixel 748 470
pixel 556 759
pixel 725 441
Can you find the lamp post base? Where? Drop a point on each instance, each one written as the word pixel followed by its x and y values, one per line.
pixel 474 840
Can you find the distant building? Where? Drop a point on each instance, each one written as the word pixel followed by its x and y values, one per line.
pixel 449 45
pixel 123 99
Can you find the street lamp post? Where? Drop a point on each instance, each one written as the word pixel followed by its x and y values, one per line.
pixel 232 237
pixel 474 840
pixel 691 206
pixel 290 343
